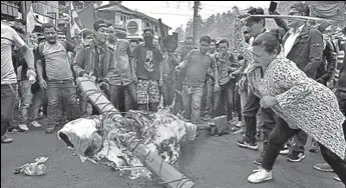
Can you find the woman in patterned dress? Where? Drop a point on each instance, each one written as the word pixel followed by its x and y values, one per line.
pixel 301 104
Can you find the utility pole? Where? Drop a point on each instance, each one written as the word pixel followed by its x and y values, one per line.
pixel 196 7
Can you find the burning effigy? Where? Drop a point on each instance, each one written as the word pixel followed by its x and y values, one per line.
pixel 141 143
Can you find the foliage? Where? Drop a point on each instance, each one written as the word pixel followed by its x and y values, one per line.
pixel 221 25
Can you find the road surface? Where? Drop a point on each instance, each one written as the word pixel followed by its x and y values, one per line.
pixel 212 162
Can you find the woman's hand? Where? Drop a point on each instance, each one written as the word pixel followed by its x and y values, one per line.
pixel 268 101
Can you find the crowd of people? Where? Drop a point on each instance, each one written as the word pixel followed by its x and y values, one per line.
pixel 274 80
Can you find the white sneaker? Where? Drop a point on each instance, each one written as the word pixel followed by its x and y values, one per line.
pixel 239 124
pixel 259 176
pixel 284 151
pixel 36 124
pixel 23 127
pixel 337 178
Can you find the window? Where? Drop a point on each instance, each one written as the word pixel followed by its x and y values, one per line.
pixel 121 18
pixel 148 25
pixel 156 29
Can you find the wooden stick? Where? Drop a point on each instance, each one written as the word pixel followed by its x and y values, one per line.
pixel 292 17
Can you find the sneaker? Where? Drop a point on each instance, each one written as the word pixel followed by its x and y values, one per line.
pixel 291 142
pixel 246 144
pixel 235 128
pixel 6 140
pixel 258 161
pixel 36 124
pixel 323 167
pixel 50 129
pixel 239 124
pixel 16 130
pixel 241 131
pixel 337 178
pixel 285 150
pixel 314 147
pixel 23 127
pixel 296 156
pixel 259 176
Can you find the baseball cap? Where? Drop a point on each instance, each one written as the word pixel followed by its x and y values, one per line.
pixel 100 23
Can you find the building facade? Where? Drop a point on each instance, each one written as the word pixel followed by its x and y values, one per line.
pixel 44 11
pixel 121 17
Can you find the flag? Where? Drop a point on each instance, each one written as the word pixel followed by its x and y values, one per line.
pixel 30 20
pixel 76 25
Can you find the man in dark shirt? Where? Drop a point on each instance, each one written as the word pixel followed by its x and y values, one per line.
pixel 226 65
pixel 147 57
pixel 95 60
pixel 197 64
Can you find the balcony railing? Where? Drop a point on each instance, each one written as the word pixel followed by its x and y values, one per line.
pixel 9 8
pixel 44 9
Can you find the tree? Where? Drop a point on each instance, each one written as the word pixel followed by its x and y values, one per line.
pixel 235 10
pixel 181 33
pixel 189 29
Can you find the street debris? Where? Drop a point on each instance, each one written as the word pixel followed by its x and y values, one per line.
pixel 37 168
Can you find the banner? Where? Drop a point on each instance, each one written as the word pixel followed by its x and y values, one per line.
pixel 30 20
pixel 76 24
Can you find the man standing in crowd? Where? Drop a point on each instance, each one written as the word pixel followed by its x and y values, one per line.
pixel 52 62
pixel 197 63
pixel 24 90
pixel 208 90
pixel 180 76
pixel 32 42
pixel 223 99
pixel 134 43
pixel 168 86
pixel 122 79
pixel 95 60
pixel 256 26
pixel 304 46
pixel 147 57
pixel 9 86
pixel 87 36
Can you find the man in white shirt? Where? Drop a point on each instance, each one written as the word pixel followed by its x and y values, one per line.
pixel 9 86
pixel 291 39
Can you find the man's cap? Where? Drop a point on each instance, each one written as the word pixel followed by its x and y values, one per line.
pixel 100 23
pixel 148 29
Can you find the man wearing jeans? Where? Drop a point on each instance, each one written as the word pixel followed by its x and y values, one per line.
pixel 223 99
pixel 122 78
pixel 197 63
pixel 9 86
pixel 59 84
pixel 256 26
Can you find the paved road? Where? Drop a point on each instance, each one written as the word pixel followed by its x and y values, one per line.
pixel 212 162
